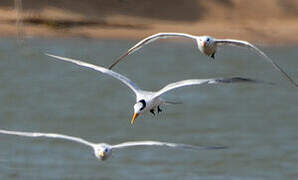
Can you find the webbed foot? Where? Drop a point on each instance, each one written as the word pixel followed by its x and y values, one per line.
pixel 158 109
pixel 152 111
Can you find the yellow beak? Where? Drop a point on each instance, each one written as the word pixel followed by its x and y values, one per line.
pixel 134 117
pixel 102 154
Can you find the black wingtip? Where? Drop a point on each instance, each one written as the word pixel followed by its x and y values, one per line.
pixel 111 66
pixel 241 79
pixel 173 102
pixel 216 147
pixel 213 56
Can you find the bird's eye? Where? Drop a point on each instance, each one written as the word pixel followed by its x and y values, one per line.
pixel 106 150
pixel 208 39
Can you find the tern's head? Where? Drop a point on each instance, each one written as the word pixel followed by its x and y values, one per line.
pixel 206 45
pixel 103 151
pixel 138 109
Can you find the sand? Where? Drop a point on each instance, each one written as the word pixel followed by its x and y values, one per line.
pixel 272 22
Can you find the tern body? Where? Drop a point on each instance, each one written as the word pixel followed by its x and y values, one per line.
pixel 206 44
pixel 149 100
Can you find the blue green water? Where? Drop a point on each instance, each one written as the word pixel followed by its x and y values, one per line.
pixel 257 122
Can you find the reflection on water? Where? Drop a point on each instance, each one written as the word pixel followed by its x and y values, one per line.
pixel 257 122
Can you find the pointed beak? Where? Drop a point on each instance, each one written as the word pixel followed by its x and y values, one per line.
pixel 204 44
pixel 134 117
pixel 102 154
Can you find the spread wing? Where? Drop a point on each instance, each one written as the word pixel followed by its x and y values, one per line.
pixel 48 135
pixel 166 144
pixel 118 76
pixel 249 45
pixel 191 82
pixel 148 40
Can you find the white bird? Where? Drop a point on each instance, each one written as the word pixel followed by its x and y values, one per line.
pixel 206 44
pixel 149 100
pixel 102 151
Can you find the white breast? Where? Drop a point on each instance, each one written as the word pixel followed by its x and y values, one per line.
pixel 150 102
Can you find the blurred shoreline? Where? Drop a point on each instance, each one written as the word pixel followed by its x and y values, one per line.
pixel 268 22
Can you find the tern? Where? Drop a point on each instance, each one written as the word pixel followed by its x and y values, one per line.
pixel 103 151
pixel 149 100
pixel 206 44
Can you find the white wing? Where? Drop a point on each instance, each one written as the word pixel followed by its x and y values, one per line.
pixel 248 45
pixel 191 82
pixel 148 40
pixel 118 76
pixel 48 135
pixel 157 143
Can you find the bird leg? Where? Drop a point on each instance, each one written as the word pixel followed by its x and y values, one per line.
pixel 152 111
pixel 213 55
pixel 158 109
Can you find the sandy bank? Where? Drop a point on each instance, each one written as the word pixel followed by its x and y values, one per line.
pixel 262 22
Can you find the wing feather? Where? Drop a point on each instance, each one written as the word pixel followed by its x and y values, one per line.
pixel 250 46
pixel 118 76
pixel 148 40
pixel 166 144
pixel 47 135
pixel 191 82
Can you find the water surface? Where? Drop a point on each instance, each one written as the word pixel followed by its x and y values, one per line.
pixel 257 122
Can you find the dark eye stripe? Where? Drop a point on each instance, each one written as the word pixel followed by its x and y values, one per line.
pixel 143 103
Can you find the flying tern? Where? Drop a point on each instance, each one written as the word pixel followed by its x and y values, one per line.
pixel 103 151
pixel 206 44
pixel 149 100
